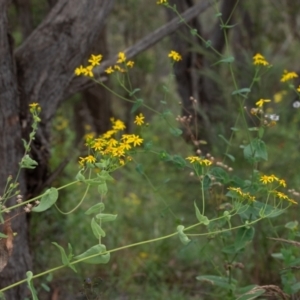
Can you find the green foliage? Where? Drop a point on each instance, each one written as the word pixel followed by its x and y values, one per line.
pixel 155 188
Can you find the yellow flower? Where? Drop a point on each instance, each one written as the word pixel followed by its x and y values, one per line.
pixel 266 179
pixel 99 144
pixel 109 70
pixel 34 105
pixel 197 159
pixel 125 146
pixel 261 102
pixel 122 57
pixel 205 162
pixel 298 89
pixel 175 56
pixel 108 134
pixel 244 195
pixel 193 159
pixel 139 120
pixel 258 59
pixel 88 71
pixel 130 64
pixel 118 68
pixel 286 76
pixel 90 159
pixel 80 70
pixel 112 143
pixel 134 139
pixel 238 190
pixel 161 2
pixel 95 60
pixel 118 125
pixel 81 161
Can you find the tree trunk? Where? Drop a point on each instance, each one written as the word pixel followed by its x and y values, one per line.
pixel 11 152
pixel 45 65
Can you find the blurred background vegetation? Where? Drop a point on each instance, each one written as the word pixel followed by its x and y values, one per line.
pixel 150 196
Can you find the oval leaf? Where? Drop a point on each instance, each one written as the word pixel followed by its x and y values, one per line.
pixel 47 200
pixel 95 209
pixel 106 217
pixel 97 230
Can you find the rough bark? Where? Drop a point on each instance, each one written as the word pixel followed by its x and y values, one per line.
pixel 24 17
pixel 10 154
pixel 45 63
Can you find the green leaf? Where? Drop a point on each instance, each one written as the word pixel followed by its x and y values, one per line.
pixel 105 176
pixel 99 207
pixel 293 225
pixel 202 219
pixel 234 129
pixel 134 91
pixel 139 169
pixel 193 32
pixel 164 156
pixel 218 281
pixel 97 230
pixel 179 161
pixel 243 237
pixel 106 217
pixel 231 157
pixel 241 92
pixel 182 236
pixel 80 176
pixel 208 44
pixel 29 276
pixel 224 139
pixel 48 199
pixel 176 131
pixel 102 188
pixel 28 163
pixel 220 174
pixel 63 254
pixel 251 295
pixel 70 255
pixel 261 132
pixel 206 182
pixel 256 151
pixel 64 258
pixel 99 259
pixel 229 59
pixel 3 236
pixel 136 105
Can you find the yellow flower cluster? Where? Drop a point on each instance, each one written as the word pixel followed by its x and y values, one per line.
pixel 111 144
pixel 94 60
pixel 175 56
pixel 121 63
pixel 34 107
pixel 258 59
pixel 197 159
pixel 286 76
pixel 161 2
pixel 272 178
pixel 261 102
pixel 246 196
